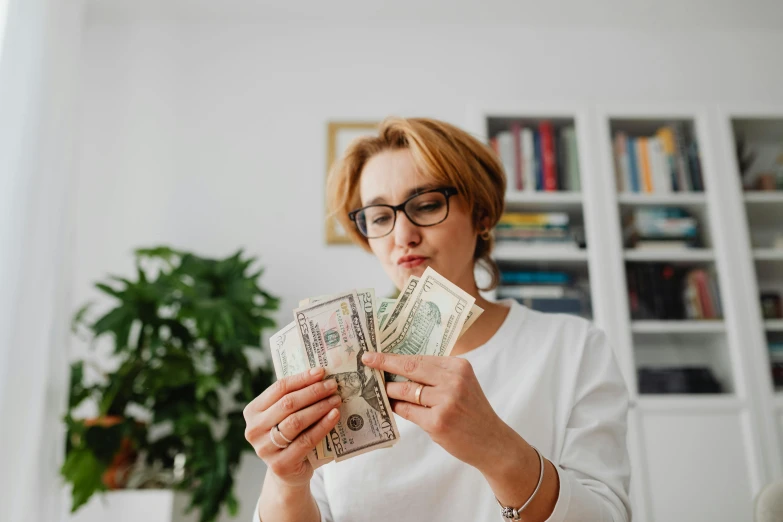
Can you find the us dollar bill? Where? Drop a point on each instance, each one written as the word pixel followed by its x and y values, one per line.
pixel 475 313
pixel 432 321
pixel 334 336
pixel 402 300
pixel 324 449
pixel 288 358
pixel 385 306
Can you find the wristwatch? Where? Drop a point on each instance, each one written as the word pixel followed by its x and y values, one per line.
pixel 510 513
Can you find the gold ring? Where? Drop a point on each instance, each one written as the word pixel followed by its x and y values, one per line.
pixel 418 394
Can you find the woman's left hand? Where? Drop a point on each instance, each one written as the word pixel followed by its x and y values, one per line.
pixel 454 410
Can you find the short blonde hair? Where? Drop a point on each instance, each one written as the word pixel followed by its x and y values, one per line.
pixel 441 151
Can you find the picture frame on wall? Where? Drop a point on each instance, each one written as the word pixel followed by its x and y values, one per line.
pixel 339 135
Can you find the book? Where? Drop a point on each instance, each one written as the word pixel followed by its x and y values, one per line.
pixel 534 277
pixel 632 166
pixel 548 156
pixel 644 161
pixel 572 160
pixel 505 146
pixel 516 132
pixel 529 160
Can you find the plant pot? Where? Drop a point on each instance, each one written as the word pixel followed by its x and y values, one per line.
pixel 116 475
pixel 136 505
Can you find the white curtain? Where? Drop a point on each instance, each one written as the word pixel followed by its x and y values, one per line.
pixel 39 68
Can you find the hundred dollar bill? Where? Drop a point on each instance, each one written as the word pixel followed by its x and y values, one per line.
pixel 334 336
pixel 289 359
pixel 431 323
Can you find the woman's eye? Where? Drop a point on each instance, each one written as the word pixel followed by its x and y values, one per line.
pixel 380 220
pixel 428 207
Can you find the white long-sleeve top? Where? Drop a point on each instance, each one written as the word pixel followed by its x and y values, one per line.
pixel 554 379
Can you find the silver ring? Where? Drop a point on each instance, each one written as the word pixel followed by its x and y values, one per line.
pixel 281 434
pixel 274 441
pixel 418 394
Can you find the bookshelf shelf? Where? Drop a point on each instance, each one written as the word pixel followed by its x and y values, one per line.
pixel 692 255
pixel 773 325
pixel 558 200
pixel 761 197
pixel 768 254
pixel 675 198
pixel 677 327
pixel 511 252
pixel 691 404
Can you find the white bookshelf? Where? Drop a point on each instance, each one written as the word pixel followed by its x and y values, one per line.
pixel 691 404
pixel 506 251
pixel 746 419
pixel 773 325
pixel 678 327
pixel 690 255
pixel 768 254
pixel 760 198
pixel 674 199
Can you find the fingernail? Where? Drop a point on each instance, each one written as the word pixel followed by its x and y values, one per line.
pixel 330 384
pixel 334 400
pixel 333 414
pixel 368 358
pixel 315 371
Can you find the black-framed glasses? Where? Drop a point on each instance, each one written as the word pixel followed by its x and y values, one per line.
pixel 424 209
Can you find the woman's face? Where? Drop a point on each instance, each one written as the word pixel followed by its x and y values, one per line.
pixel 390 178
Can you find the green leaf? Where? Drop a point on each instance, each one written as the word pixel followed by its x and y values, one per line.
pixel 78 317
pixel 83 471
pixel 206 384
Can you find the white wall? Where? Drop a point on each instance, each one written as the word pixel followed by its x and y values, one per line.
pixel 38 128
pixel 211 135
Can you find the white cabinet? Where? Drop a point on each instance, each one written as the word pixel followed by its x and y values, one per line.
pixel 702 451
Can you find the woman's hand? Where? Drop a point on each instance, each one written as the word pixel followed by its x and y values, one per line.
pixel 303 408
pixel 454 410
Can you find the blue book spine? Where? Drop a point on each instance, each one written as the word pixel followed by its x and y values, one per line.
pixel 534 277
pixel 634 171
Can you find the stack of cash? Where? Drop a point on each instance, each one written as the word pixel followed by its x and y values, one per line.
pixel 334 331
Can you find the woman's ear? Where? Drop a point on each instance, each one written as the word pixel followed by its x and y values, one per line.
pixel 483 224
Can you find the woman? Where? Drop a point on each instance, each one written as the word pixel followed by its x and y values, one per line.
pixel 529 411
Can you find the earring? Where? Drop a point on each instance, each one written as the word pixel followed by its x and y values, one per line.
pixel 485 235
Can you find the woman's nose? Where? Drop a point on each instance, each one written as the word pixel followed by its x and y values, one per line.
pixel 405 232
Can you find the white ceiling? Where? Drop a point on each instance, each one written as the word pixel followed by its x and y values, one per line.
pixel 681 14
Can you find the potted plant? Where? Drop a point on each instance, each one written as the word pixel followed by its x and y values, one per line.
pixel 168 400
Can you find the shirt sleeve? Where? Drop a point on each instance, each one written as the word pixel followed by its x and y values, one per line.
pixel 594 466
pixel 319 493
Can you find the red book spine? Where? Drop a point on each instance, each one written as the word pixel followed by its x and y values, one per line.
pixel 516 132
pixel 704 295
pixel 548 149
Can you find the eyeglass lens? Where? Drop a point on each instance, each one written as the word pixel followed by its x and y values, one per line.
pixel 424 210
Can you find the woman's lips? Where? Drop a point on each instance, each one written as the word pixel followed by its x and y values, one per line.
pixel 411 263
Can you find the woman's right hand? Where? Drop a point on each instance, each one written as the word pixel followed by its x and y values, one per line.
pixel 304 409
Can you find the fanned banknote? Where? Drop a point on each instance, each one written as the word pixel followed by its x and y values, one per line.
pixel 334 335
pixel 288 358
pixel 432 321
pixel 385 306
pixel 402 300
